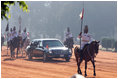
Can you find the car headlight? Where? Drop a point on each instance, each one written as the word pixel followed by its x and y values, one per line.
pixel 50 51
pixel 69 50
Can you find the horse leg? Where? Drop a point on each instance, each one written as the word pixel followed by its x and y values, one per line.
pixel 11 51
pixel 17 53
pixel 7 50
pixel 79 70
pixel 85 68
pixel 93 67
pixel 77 58
pixel 76 54
pixel 22 51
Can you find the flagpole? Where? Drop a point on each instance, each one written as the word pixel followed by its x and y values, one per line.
pixel 20 24
pixel 81 31
pixel 82 22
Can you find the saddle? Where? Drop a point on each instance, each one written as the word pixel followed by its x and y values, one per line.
pixel 80 51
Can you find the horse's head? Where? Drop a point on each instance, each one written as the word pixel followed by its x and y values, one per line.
pixel 95 46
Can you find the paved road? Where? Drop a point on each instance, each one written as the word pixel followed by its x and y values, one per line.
pixel 106 67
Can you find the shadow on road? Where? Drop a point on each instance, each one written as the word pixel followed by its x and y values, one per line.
pixel 20 57
pixel 9 59
pixel 4 55
pixel 48 61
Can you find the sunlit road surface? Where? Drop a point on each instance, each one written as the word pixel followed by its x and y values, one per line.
pixel 106 67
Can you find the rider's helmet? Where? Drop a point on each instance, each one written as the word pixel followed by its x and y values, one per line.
pixel 19 31
pixel 25 30
pixel 14 29
pixel 68 29
pixel 86 29
pixel 11 29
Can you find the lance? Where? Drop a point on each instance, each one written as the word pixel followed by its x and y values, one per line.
pixel 81 31
pixel 20 24
pixel 81 16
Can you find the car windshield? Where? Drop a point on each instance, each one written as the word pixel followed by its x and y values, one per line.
pixel 52 43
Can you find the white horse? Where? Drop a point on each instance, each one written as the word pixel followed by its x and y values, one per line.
pixel 26 43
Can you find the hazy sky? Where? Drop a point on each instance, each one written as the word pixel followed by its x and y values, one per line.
pixel 52 18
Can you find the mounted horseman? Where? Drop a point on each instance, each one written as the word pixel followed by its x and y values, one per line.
pixel 88 50
pixel 7 36
pixel 14 43
pixel 86 39
pixel 24 36
pixel 25 40
pixel 68 40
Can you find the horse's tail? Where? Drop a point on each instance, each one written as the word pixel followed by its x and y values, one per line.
pixel 76 53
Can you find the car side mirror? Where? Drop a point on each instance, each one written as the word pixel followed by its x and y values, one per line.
pixel 41 47
pixel 65 45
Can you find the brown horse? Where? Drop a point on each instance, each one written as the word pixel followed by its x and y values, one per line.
pixel 88 54
pixel 69 43
pixel 15 43
pixel 2 41
pixel 24 45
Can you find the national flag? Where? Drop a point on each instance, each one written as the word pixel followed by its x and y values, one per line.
pixel 81 14
pixel 47 46
pixel 28 34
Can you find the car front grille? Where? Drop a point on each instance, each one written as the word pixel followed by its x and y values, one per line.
pixel 59 51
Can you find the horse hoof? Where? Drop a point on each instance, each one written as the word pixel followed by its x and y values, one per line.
pixel 78 72
pixel 94 74
pixel 85 75
pixel 81 73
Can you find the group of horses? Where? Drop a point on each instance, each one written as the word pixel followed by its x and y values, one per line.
pixel 88 53
pixel 17 43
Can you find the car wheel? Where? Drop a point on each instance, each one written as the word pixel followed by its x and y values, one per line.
pixel 67 59
pixel 44 57
pixel 49 58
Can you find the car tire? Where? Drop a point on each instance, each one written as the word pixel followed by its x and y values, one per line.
pixel 67 59
pixel 49 58
pixel 44 57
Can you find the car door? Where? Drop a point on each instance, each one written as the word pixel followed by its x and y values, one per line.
pixel 39 49
pixel 35 44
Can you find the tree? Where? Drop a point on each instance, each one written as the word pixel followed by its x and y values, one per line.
pixel 108 43
pixel 5 8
